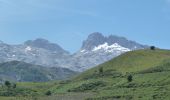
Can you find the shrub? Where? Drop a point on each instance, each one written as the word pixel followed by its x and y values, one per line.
pixel 101 70
pixel 48 93
pixel 130 78
pixel 8 84
pixel 14 85
pixel 152 47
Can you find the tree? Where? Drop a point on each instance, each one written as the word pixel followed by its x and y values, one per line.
pixel 152 47
pixel 8 84
pixel 130 78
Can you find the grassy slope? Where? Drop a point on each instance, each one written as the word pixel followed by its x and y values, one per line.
pixel 25 72
pixel 151 80
pixel 133 61
pixel 145 85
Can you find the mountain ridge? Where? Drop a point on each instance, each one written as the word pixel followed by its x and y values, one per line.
pixel 45 44
pixel 96 49
pixel 110 40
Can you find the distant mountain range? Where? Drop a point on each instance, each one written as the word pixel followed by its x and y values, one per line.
pixel 95 50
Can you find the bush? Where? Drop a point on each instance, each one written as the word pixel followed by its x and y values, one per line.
pixel 14 85
pixel 48 93
pixel 8 84
pixel 130 78
pixel 152 47
pixel 101 70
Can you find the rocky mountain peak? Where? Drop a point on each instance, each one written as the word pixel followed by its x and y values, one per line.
pixel 93 40
pixel 97 39
pixel 41 40
pixel 45 44
pixel 95 35
pixel 37 42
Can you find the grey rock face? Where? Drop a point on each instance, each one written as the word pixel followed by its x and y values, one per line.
pixel 45 44
pixel 40 52
pixel 93 39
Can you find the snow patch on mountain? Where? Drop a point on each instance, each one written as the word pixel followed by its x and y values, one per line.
pixel 83 51
pixel 111 48
pixel 28 48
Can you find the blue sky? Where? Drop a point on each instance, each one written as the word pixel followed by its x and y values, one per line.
pixel 69 22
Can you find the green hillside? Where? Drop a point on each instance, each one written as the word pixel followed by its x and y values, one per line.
pixel 135 75
pixel 25 72
pixel 133 61
pixel 150 70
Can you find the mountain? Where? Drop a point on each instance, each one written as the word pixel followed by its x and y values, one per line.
pixel 96 39
pixel 25 72
pixel 148 69
pixel 98 49
pixel 45 44
pixel 39 52
pixel 95 50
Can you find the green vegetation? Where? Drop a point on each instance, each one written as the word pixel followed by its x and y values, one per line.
pixel 130 78
pixel 136 75
pixel 152 47
pixel 8 84
pixel 101 70
pixel 88 86
pixel 48 93
pixel 25 72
